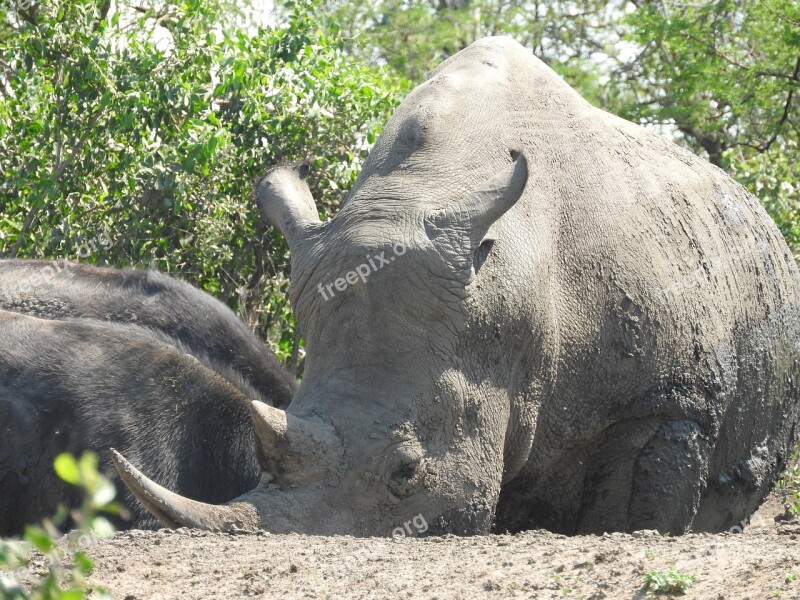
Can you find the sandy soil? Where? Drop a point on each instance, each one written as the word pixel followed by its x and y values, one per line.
pixel 763 562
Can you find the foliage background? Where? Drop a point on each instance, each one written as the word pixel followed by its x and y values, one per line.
pixel 131 131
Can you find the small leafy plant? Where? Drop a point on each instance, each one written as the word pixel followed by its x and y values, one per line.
pixel 667 582
pixel 789 487
pixel 62 582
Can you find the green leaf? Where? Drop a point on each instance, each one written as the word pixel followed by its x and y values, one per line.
pixel 37 536
pixel 71 594
pixel 83 563
pixel 89 476
pixel 104 492
pixel 67 468
pixel 14 553
pixel 102 528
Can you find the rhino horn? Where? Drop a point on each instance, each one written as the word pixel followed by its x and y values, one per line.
pixel 271 425
pixel 173 510
pixel 294 449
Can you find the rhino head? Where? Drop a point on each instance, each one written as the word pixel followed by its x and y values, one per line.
pixel 386 425
pixel 394 417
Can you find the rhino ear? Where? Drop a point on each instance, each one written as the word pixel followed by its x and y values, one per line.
pixel 285 201
pixel 477 214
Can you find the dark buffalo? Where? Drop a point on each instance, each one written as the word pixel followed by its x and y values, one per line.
pixel 173 385
pixel 203 325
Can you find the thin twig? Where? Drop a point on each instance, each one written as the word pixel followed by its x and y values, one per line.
pixel 786 110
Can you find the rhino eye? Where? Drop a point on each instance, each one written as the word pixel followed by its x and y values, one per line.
pixel 406 471
pixel 404 480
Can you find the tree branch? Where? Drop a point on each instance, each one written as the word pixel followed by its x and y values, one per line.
pixel 27 12
pixel 780 16
pixel 104 8
pixel 787 108
pixel 740 66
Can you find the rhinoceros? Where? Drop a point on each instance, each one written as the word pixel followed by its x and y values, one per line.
pixel 197 321
pixel 92 358
pixel 528 313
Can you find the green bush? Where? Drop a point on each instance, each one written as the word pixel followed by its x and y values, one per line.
pixel 135 139
pixel 788 487
pixel 667 582
pixel 68 564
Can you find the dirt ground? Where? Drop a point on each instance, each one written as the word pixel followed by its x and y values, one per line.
pixel 763 562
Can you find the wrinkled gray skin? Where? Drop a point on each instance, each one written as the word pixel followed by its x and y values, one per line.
pixel 624 355
pixel 71 379
pixel 201 323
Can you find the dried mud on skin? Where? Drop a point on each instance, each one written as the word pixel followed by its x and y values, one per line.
pixel 188 564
